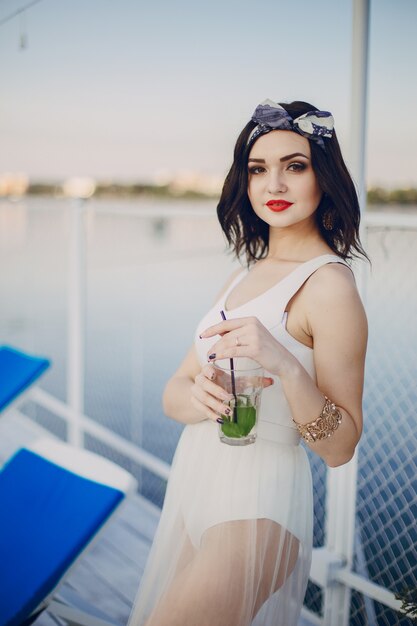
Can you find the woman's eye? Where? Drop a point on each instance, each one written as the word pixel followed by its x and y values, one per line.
pixel 296 167
pixel 256 170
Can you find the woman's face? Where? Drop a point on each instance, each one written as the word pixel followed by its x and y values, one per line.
pixel 282 186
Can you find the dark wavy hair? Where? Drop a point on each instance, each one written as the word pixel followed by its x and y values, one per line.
pixel 245 231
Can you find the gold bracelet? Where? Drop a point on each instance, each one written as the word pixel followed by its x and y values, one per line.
pixel 324 426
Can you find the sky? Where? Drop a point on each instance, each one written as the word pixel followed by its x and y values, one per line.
pixel 131 89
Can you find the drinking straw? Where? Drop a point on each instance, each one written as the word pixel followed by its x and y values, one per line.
pixel 232 371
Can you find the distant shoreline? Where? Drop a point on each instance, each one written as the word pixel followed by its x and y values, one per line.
pixel 116 190
pixel 121 190
pixel 375 195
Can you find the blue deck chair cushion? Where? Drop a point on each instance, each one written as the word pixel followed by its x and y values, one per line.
pixel 47 516
pixel 17 372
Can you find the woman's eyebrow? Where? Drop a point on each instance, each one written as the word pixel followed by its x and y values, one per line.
pixel 294 154
pixel 284 158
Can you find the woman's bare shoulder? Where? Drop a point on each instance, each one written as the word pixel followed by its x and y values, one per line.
pixel 332 279
pixel 332 298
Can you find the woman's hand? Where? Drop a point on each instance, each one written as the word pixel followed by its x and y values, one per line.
pixel 209 398
pixel 247 337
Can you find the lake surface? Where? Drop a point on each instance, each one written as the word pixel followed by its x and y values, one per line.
pixel 152 270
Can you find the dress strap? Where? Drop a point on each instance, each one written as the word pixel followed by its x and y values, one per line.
pixel 302 273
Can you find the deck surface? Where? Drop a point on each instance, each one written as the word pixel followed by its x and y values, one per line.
pixel 108 575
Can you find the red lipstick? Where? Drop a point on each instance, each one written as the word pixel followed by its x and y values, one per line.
pixel 278 205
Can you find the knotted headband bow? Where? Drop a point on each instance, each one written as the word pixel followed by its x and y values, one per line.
pixel 272 116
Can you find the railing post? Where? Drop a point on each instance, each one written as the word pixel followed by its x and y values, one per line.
pixel 358 121
pixel 76 319
pixel 342 481
pixel 340 533
pixel 137 388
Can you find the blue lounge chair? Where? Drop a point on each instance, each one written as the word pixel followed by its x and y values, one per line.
pixel 54 499
pixel 18 371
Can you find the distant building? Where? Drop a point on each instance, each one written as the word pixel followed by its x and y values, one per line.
pixel 13 184
pixel 79 187
pixel 188 180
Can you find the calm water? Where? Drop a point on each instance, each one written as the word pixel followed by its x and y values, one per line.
pixel 150 278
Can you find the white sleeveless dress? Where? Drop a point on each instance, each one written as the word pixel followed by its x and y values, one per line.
pixel 257 498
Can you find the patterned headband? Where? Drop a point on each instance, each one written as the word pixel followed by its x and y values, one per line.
pixel 272 116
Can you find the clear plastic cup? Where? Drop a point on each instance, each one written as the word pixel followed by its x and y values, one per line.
pixel 245 382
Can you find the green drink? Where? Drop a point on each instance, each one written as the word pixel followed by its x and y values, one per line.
pixel 244 414
pixel 239 427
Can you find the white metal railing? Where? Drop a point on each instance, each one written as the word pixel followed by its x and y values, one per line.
pixel 76 322
pixel 85 425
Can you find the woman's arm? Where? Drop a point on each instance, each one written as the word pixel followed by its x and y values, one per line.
pixel 176 399
pixel 335 319
pixel 337 323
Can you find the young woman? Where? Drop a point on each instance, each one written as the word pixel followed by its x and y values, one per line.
pixel 234 543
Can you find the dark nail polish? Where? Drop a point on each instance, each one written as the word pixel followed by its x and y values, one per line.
pixel 227 411
pixel 220 420
pixel 200 336
pixel 212 356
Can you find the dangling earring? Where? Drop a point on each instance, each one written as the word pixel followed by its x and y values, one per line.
pixel 328 220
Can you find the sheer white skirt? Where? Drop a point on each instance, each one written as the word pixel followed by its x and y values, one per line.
pixel 233 546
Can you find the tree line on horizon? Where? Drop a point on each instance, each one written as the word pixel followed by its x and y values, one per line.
pixel 375 195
